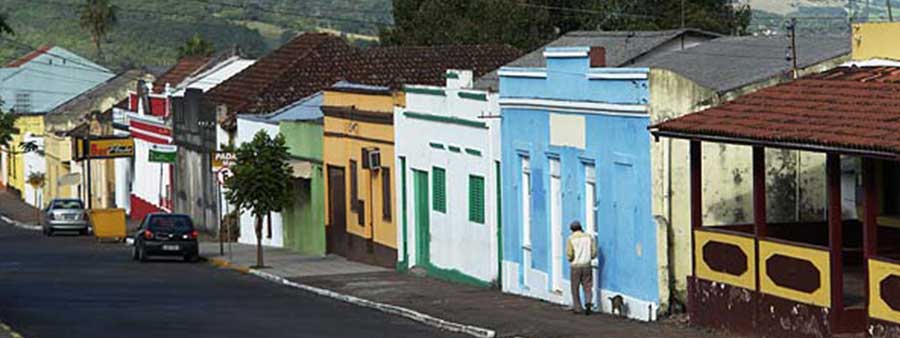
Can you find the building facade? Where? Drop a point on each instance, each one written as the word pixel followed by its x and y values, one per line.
pixel 575 148
pixel 449 180
pixel 360 195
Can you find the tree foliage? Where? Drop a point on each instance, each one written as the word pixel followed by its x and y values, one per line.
pixel 98 17
pixel 528 24
pixel 7 128
pixel 4 26
pixel 261 181
pixel 195 46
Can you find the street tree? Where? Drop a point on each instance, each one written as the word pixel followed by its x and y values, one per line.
pixel 196 46
pixel 98 17
pixel 261 181
pixel 7 128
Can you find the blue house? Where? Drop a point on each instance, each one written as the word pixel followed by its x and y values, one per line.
pixel 575 147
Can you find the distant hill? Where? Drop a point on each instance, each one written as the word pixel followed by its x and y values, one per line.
pixel 817 16
pixel 149 32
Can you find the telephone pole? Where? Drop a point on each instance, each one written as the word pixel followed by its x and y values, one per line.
pixel 890 13
pixel 792 33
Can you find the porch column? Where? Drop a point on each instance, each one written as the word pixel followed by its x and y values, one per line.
pixel 870 218
pixel 759 201
pixel 835 235
pixel 696 193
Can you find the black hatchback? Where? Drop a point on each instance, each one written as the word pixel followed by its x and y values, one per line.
pixel 166 235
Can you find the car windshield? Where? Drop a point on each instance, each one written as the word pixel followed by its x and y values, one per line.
pixel 170 223
pixel 67 204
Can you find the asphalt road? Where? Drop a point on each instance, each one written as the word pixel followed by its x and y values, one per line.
pixel 74 287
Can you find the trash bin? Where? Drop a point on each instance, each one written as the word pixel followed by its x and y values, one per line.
pixel 108 223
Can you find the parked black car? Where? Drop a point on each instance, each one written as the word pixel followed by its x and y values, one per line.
pixel 166 235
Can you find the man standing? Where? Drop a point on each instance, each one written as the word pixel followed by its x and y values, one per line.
pixel 580 250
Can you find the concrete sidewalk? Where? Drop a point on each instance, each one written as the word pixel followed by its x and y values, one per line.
pixel 16 209
pixel 506 315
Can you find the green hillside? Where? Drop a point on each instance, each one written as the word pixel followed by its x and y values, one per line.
pixel 149 32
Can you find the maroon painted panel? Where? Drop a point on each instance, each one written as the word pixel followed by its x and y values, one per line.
pixel 793 273
pixel 890 291
pixel 883 329
pixel 721 306
pixel 725 258
pixel 779 317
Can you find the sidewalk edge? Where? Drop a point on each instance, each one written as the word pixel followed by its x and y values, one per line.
pixel 20 225
pixel 471 330
pixel 439 323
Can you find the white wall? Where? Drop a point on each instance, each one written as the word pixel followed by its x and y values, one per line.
pixel 246 129
pixel 34 163
pixel 451 230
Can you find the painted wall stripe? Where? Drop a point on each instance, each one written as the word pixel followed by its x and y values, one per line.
pixel 424 90
pixel 473 96
pixel 519 73
pixel 446 119
pixel 617 109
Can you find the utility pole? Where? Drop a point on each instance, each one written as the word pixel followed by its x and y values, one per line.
pixel 792 32
pixel 890 13
pixel 682 14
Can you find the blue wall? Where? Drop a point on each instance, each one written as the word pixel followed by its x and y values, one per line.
pixel 617 144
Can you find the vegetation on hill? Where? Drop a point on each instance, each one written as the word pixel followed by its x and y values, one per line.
pixel 528 24
pixel 149 33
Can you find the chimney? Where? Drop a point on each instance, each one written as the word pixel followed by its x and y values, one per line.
pixel 598 57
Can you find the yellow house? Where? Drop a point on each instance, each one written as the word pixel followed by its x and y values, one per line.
pixel 875 40
pixel 61 182
pixel 360 197
pixel 27 125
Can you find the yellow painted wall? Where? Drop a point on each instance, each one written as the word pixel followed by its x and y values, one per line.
pixel 746 280
pixel 875 40
pixel 819 258
pixel 878 308
pixel 58 152
pixel 26 124
pixel 339 150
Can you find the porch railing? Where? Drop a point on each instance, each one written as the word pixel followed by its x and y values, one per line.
pixel 884 289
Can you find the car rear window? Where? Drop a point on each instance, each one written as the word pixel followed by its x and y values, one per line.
pixel 170 223
pixel 67 204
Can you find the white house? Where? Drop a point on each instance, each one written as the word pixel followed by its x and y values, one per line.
pixel 447 143
pixel 247 127
pixel 35 164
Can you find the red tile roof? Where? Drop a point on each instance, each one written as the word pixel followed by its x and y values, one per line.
pixel 315 61
pixel 297 69
pixel 179 72
pixel 30 56
pixel 846 110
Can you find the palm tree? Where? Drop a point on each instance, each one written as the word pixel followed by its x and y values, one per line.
pixel 195 46
pixel 98 17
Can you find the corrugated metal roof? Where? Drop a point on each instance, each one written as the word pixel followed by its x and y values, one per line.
pixel 732 62
pixel 622 47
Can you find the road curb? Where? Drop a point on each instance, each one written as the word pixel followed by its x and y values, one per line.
pixel 20 225
pixel 443 324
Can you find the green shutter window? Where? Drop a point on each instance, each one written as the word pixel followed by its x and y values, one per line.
pixel 476 199
pixel 439 186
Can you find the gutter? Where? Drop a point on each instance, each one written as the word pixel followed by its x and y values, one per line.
pixel 775 144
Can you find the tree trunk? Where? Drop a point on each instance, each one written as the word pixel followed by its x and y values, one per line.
pixel 259 249
pixel 269 226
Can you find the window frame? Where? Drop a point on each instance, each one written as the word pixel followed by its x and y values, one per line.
pixel 476 199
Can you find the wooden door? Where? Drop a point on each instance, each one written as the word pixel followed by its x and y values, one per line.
pixel 336 231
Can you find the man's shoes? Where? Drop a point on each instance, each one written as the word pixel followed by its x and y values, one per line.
pixel 576 312
pixel 587 309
